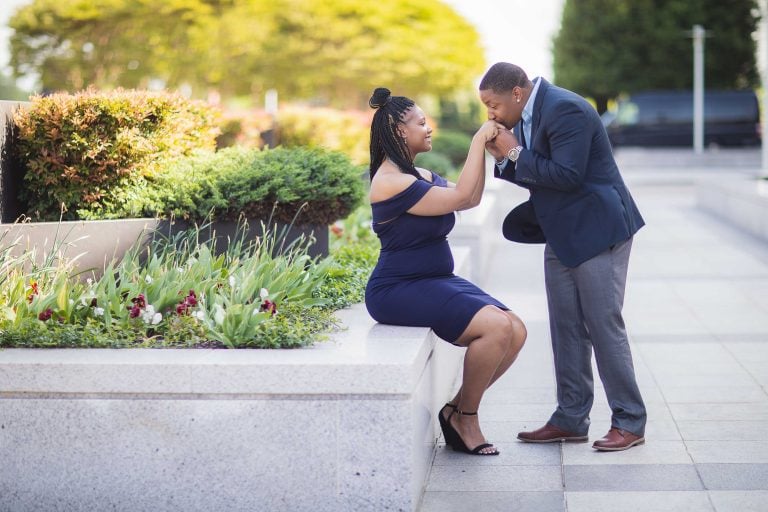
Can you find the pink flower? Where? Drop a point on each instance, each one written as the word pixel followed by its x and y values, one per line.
pixel 45 315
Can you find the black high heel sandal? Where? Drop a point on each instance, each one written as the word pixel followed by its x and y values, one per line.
pixel 460 445
pixel 449 434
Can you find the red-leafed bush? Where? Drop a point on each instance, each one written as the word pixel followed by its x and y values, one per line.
pixel 87 153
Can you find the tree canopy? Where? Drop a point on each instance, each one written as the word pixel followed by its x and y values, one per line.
pixel 609 47
pixel 333 52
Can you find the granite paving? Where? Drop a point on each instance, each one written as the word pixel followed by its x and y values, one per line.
pixel 696 310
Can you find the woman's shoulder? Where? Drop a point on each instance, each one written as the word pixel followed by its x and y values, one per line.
pixel 426 174
pixel 388 183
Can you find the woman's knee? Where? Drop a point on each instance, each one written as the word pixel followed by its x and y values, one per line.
pixel 519 333
pixel 508 329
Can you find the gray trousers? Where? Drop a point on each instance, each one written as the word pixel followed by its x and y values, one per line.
pixel 585 306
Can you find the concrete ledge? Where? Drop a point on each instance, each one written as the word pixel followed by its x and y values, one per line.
pixel 743 203
pixel 346 425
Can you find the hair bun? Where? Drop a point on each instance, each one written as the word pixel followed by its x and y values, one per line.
pixel 380 97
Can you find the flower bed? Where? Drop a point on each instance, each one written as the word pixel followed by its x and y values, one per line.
pixel 178 293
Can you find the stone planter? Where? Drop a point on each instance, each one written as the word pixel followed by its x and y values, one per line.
pixel 94 243
pixel 97 242
pixel 347 425
pixel 224 231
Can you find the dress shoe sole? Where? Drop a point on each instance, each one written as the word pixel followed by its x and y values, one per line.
pixel 619 448
pixel 576 439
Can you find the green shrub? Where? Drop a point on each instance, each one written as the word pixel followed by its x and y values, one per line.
pixel 453 144
pixel 354 251
pixel 345 131
pixel 88 153
pixel 436 162
pixel 259 184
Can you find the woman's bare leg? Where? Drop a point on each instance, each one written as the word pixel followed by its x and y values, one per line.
pixel 493 339
pixel 517 344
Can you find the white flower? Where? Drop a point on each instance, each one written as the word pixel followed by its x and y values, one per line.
pixel 98 311
pixel 71 301
pixel 149 316
pixel 218 315
pixel 264 293
pixel 89 281
pixel 199 314
pixel 148 279
pixel 232 281
pixel 181 270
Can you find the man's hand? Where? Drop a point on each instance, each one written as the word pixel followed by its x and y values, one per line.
pixel 500 146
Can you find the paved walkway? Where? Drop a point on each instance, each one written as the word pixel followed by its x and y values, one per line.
pixel 697 314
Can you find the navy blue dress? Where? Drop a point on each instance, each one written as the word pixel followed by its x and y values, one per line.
pixel 413 282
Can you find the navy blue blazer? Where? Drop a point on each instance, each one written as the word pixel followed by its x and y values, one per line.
pixel 578 198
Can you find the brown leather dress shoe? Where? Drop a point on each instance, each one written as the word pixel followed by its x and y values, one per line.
pixel 616 440
pixel 551 434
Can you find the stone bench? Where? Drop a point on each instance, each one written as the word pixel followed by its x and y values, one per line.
pixel 345 425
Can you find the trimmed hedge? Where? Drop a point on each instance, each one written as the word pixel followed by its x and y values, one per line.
pixel 258 184
pixel 88 153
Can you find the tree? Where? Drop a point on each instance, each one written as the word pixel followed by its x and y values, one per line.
pixel 10 91
pixel 609 47
pixel 333 52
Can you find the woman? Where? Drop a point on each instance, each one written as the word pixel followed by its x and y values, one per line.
pixel 413 282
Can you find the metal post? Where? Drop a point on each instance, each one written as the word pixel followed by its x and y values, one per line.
pixel 698 88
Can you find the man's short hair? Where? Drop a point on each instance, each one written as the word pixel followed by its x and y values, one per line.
pixel 503 77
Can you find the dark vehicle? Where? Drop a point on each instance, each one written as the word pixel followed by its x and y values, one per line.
pixel 665 118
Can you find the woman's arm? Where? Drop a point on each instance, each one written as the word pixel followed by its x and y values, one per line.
pixel 469 186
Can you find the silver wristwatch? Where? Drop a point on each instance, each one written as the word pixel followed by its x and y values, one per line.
pixel 514 153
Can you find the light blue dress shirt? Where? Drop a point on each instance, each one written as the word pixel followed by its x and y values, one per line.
pixel 527 116
pixel 528 113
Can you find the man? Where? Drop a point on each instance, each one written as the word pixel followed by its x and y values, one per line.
pixel 581 209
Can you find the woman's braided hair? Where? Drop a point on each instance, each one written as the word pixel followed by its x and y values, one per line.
pixel 385 141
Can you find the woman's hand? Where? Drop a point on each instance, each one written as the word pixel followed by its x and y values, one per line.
pixel 488 131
